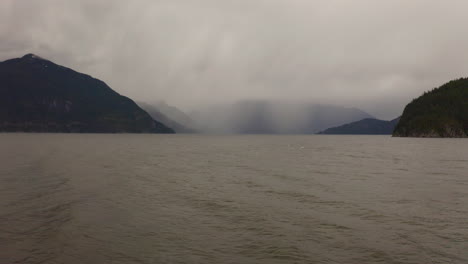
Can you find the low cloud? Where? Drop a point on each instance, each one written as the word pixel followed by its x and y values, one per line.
pixel 373 55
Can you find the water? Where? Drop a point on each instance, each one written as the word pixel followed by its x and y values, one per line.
pixel 232 199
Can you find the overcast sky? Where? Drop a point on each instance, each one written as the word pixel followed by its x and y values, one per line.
pixel 374 55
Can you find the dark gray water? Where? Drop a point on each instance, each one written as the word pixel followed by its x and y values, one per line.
pixel 232 199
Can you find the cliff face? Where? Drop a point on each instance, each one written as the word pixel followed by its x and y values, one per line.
pixel 442 112
pixel 37 95
pixel 448 131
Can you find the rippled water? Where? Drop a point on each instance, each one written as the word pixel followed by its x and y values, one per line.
pixel 232 199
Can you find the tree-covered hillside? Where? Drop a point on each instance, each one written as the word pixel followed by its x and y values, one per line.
pixel 442 112
pixel 37 95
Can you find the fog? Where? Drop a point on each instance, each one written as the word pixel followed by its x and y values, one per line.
pixel 272 117
pixel 373 55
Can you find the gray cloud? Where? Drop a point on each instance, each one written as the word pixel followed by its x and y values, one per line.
pixel 374 55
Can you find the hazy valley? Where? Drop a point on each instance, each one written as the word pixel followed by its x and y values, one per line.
pixel 226 132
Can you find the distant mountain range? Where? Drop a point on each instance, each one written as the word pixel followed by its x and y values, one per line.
pixel 442 112
pixel 37 95
pixel 367 126
pixel 270 117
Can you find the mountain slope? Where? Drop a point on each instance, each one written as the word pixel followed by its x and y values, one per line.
pixel 159 114
pixel 174 113
pixel 442 112
pixel 368 126
pixel 37 95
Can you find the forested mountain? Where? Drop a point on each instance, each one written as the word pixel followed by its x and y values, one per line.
pixel 441 112
pixel 37 95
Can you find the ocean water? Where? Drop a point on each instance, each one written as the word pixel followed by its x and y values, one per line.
pixel 232 199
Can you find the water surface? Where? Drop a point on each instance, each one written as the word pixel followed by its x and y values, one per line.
pixel 232 199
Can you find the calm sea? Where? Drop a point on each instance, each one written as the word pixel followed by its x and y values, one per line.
pixel 232 199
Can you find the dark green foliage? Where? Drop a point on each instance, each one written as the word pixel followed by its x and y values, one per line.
pixel 441 112
pixel 368 126
pixel 37 95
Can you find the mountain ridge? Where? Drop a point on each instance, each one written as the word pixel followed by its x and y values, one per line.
pixel 37 95
pixel 367 126
pixel 159 113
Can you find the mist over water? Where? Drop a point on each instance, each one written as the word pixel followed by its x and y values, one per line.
pixel 377 56
pixel 272 117
pixel 232 199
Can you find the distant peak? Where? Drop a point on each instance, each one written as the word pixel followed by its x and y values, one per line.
pixel 32 56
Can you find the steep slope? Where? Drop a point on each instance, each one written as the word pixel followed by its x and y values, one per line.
pixel 37 95
pixel 368 126
pixel 270 117
pixel 159 114
pixel 173 113
pixel 442 112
